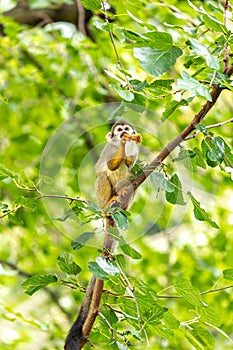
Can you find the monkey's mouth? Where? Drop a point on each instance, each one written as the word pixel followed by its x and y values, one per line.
pixel 123 133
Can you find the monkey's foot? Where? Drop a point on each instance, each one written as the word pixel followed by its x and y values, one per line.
pixel 112 200
pixel 120 193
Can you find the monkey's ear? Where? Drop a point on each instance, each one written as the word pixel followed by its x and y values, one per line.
pixel 109 136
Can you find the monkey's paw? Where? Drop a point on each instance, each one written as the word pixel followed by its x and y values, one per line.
pixel 127 137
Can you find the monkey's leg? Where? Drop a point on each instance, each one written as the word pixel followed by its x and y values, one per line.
pixel 103 190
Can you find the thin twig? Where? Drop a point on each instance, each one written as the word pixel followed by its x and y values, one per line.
pixel 108 324
pixel 208 127
pixel 62 197
pixel 114 45
pixel 130 290
pixel 11 211
pixel 227 47
pixel 216 290
pixel 202 293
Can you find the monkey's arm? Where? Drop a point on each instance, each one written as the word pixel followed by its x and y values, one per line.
pixel 129 161
pixel 117 158
pixel 75 334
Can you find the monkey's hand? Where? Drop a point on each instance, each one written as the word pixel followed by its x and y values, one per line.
pixel 127 137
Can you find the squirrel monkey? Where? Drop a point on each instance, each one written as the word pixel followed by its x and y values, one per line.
pixel 113 169
pixel 116 161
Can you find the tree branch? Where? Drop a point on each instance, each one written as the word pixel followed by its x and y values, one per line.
pixel 122 198
pixel 23 14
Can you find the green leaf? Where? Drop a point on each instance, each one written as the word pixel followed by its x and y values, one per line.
pixel 171 107
pixel 209 314
pixel 3 99
pixel 205 151
pixel 202 128
pixel 158 40
pixel 114 76
pixel 213 23
pixel 200 338
pixel 200 49
pixel 130 251
pixel 216 152
pixel 162 84
pixel 97 271
pixel 6 173
pixel 34 283
pixel 125 247
pixel 157 62
pixel 175 197
pixel 193 86
pixel 198 158
pixel 110 316
pixel 163 332
pixel 170 321
pixel 124 94
pixel 162 183
pixel 82 240
pixel 219 144
pixel 121 261
pixel 121 220
pixel 228 274
pixel 121 346
pixel 199 213
pixel 27 202
pixel 91 4
pixel 67 264
pixel 187 291
pixel 107 267
pixel 228 152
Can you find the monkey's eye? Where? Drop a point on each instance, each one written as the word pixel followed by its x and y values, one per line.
pixel 126 128
pixel 119 129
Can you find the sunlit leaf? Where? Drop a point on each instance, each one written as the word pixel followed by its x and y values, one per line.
pixel 200 213
pixel 121 220
pixel 34 283
pixel 107 267
pixel 209 314
pixel 193 86
pixel 97 271
pixel 67 264
pixel 157 62
pixel 228 274
pixel 162 183
pixel 187 291
pixel 91 4
pixel 202 50
pixel 82 240
pixel 200 338
pixel 176 196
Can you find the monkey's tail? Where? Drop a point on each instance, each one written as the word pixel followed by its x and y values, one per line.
pixel 74 336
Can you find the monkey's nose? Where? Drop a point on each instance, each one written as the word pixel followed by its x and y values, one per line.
pixel 123 133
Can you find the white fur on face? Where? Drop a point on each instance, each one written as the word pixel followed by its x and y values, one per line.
pixel 121 129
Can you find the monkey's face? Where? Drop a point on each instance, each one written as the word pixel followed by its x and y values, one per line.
pixel 118 130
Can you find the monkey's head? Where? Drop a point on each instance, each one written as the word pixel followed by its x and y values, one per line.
pixel 119 129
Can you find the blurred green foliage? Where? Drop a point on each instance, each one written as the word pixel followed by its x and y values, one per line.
pixel 58 88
